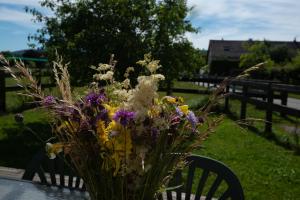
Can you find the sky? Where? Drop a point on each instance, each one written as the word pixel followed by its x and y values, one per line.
pixel 216 19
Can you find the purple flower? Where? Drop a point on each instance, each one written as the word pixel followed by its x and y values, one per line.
pixel 74 114
pixel 95 99
pixel 179 112
pixel 192 119
pixel 103 115
pixel 48 101
pixel 124 117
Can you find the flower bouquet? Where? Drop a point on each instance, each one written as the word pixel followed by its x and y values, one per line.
pixel 125 142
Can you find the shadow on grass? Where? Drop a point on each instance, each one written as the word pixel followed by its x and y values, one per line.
pixel 19 144
pixel 19 108
pixel 268 135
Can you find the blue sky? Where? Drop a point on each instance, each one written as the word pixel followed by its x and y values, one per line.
pixel 217 19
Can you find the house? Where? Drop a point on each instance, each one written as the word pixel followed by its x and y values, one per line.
pixel 223 56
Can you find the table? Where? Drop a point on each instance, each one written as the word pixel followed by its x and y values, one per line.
pixel 11 189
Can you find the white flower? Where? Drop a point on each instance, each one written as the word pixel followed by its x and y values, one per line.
pixel 108 76
pixel 158 77
pixel 96 77
pixel 142 62
pixel 104 67
pixel 126 83
pixel 153 66
pixel 128 70
pixel 123 95
pixel 143 95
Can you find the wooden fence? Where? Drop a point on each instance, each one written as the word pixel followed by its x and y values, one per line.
pixel 257 92
pixel 4 89
pixel 38 72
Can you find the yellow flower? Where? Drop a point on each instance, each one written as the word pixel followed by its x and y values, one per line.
pixel 53 149
pixel 170 99
pixel 112 125
pixel 122 141
pixel 102 131
pixel 111 110
pixel 120 144
pixel 157 101
pixel 180 100
pixel 184 109
pixel 154 111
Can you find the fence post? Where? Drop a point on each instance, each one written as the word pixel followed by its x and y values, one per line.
pixel 268 124
pixel 284 99
pixel 226 106
pixel 233 88
pixel 2 91
pixel 244 102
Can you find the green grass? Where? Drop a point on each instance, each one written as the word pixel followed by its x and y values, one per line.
pixel 266 170
pixel 16 102
pixel 296 96
pixel 189 85
pixel 17 143
pixel 256 119
pixel 9 81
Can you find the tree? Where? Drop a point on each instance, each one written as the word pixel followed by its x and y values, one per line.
pixel 281 54
pixel 171 47
pixel 6 53
pixel 256 53
pixel 293 69
pixel 283 63
pixel 87 32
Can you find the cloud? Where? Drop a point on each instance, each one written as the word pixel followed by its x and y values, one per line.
pixel 244 19
pixel 12 15
pixel 17 17
pixel 34 3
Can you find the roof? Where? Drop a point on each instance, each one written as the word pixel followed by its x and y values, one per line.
pixel 231 50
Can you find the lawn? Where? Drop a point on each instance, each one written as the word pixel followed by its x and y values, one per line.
pixel 265 169
pixel 256 119
pixel 18 143
pixel 296 96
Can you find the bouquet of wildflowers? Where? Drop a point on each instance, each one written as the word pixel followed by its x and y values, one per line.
pixel 124 142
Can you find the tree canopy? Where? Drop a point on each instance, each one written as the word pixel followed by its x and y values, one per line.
pixel 87 32
pixel 283 63
pixel 256 53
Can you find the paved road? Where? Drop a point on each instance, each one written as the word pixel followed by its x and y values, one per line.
pixel 291 102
